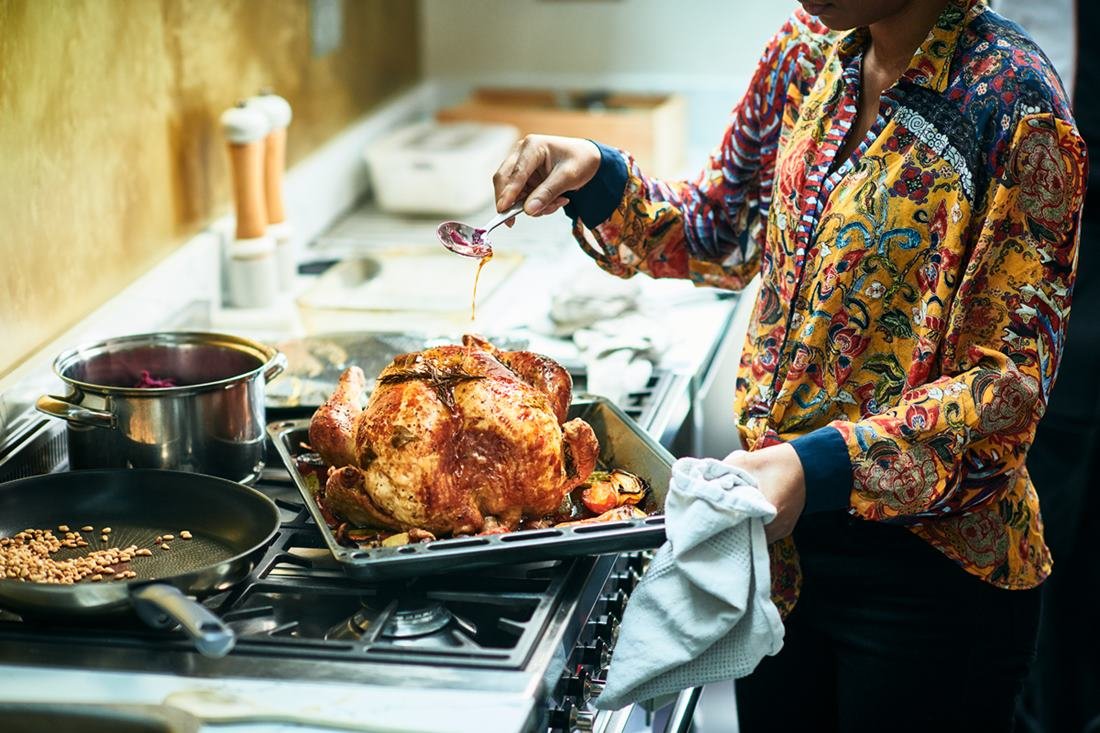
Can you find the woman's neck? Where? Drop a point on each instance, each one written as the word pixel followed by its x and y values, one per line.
pixel 895 38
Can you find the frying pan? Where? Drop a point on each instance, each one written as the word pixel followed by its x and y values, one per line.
pixel 231 526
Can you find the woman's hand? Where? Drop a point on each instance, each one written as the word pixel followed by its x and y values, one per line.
pixel 778 471
pixel 541 169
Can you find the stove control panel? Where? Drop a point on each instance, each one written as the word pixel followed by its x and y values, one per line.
pixel 571 709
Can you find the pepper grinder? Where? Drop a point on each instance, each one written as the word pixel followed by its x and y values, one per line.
pixel 278 113
pixel 252 275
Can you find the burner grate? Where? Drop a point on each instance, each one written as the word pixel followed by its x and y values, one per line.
pixel 491 618
pixel 38 449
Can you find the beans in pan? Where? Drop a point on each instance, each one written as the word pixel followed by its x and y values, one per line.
pixel 28 556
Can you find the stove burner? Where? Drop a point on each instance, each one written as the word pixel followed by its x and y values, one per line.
pixel 427 617
pixel 357 628
pixel 408 617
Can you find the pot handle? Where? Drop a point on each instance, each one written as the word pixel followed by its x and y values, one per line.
pixel 275 367
pixel 159 604
pixel 59 407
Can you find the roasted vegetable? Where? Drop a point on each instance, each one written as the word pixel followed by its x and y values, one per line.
pixel 364 534
pixel 395 540
pixel 606 490
pixel 600 497
pixel 618 514
pixel 631 489
pixel 420 535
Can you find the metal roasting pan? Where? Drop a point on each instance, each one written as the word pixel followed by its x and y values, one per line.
pixel 623 444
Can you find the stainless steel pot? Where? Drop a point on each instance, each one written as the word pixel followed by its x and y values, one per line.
pixel 211 422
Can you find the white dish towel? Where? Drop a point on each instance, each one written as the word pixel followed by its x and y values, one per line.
pixel 703 611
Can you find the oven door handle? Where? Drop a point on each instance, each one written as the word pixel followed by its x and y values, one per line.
pixel 614 721
pixel 683 711
pixel 679 720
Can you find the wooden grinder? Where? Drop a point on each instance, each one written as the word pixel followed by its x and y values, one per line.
pixel 244 131
pixel 251 270
pixel 278 113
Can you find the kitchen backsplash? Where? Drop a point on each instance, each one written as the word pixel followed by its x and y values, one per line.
pixel 111 153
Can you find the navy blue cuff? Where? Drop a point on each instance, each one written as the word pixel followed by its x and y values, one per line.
pixel 597 200
pixel 827 468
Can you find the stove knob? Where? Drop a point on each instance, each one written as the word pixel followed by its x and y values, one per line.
pixel 626 581
pixel 637 561
pixel 575 685
pixel 594 654
pixel 586 720
pixel 607 627
pixel 563 717
pixel 614 603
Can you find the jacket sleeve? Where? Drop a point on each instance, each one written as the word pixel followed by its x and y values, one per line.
pixel 711 229
pixel 961 440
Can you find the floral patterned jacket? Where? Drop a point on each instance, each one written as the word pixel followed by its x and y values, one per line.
pixel 913 298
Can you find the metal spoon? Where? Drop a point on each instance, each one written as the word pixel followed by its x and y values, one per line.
pixel 467 241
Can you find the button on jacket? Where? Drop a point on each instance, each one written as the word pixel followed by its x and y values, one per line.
pixel 914 297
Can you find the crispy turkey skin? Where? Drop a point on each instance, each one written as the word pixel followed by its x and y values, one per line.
pixel 453 440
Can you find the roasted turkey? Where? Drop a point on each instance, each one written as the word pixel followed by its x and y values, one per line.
pixel 453 440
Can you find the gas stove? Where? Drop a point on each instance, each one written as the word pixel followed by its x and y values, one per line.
pixel 518 647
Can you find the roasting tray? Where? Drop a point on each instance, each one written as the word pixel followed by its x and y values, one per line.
pixel 623 444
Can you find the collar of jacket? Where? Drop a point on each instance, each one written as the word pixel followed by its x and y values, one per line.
pixel 930 66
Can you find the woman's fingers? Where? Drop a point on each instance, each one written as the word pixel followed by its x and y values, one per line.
pixel 554 205
pixel 512 176
pixel 560 179
pixel 540 169
pixel 502 179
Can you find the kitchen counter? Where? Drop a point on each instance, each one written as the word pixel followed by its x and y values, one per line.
pixel 690 319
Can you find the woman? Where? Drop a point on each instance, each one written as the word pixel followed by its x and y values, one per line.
pixel 906 178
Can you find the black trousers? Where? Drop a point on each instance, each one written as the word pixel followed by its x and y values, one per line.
pixel 1063 692
pixel 890 635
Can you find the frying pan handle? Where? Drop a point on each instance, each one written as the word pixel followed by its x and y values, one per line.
pixel 275 367
pixel 159 604
pixel 59 407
